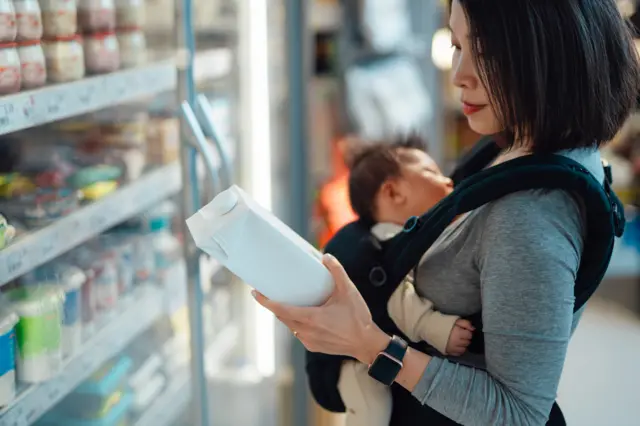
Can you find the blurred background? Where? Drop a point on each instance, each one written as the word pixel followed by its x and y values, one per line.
pixel 119 118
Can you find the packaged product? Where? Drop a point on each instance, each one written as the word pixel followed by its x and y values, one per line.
pixel 65 59
pixel 10 76
pixel 101 53
pixel 38 332
pixel 8 320
pixel 96 15
pixel 59 18
pixel 130 13
pixel 69 280
pixel 8 26
pixel 29 19
pixel 133 47
pixel 32 64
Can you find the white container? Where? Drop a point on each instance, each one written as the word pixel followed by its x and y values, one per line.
pixel 32 64
pixel 96 15
pixel 264 252
pixel 59 18
pixel 38 332
pixel 29 19
pixel 10 74
pixel 8 320
pixel 101 53
pixel 8 26
pixel 130 13
pixel 72 281
pixel 64 58
pixel 133 47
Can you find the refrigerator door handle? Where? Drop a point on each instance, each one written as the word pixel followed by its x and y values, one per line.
pixel 205 114
pixel 199 141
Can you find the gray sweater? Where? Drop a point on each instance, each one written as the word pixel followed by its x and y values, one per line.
pixel 516 259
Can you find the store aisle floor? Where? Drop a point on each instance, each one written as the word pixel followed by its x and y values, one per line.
pixel 601 379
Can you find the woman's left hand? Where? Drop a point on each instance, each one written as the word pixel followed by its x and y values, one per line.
pixel 341 326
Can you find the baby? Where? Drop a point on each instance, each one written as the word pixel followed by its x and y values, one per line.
pixel 388 184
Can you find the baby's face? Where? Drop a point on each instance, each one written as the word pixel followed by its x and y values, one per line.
pixel 422 184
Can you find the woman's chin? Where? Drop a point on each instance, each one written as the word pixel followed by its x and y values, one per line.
pixel 482 127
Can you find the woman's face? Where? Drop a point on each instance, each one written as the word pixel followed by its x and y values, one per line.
pixel 475 100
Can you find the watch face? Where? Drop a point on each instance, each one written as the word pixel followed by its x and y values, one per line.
pixel 385 369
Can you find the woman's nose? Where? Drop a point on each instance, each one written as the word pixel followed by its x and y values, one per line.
pixel 462 71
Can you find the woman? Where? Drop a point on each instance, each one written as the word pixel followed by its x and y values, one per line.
pixel 549 77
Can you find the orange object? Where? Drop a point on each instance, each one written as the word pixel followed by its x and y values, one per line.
pixel 332 205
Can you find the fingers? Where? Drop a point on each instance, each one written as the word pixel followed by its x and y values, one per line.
pixel 463 323
pixel 285 313
pixel 338 273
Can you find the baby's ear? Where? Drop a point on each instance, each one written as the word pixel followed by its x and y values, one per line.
pixel 392 190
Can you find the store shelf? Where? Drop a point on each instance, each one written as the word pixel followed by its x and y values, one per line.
pixel 41 246
pixel 166 409
pixel 51 103
pixel 133 316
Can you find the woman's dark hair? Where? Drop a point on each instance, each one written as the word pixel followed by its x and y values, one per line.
pixel 371 165
pixel 564 73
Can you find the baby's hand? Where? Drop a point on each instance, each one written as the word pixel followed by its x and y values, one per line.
pixel 460 337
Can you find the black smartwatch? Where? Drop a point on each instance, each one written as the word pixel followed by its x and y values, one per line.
pixel 388 363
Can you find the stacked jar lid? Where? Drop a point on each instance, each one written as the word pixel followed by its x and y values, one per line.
pixel 22 63
pixel 130 21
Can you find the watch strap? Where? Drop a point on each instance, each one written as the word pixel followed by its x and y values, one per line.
pixel 397 348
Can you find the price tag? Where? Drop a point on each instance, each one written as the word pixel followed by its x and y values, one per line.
pixel 32 111
pixel 17 261
pixel 54 106
pixel 6 112
pixel 86 95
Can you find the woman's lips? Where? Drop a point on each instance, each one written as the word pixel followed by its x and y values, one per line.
pixel 469 109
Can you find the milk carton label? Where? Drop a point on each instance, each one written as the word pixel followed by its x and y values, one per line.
pixel 260 249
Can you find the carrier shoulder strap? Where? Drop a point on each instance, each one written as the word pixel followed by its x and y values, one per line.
pixel 605 219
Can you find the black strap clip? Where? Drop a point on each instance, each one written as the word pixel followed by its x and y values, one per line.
pixel 412 224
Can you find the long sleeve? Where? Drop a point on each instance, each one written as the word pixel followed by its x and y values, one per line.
pixel 528 256
pixel 417 319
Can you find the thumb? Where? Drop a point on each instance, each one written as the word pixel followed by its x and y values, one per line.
pixel 340 277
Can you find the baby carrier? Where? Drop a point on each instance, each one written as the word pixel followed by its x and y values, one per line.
pixel 377 268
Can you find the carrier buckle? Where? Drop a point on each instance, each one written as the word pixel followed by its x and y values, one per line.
pixel 377 276
pixel 412 224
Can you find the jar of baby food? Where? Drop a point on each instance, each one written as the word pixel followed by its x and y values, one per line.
pixel 10 75
pixel 29 19
pixel 133 47
pixel 96 15
pixel 32 64
pixel 38 332
pixel 130 13
pixel 101 53
pixel 65 59
pixel 8 321
pixel 8 27
pixel 59 18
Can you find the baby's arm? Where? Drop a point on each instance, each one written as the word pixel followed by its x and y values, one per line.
pixel 419 321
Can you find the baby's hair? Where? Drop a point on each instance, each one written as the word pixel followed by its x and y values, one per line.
pixel 371 165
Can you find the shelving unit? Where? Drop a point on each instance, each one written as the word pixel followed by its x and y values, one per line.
pixel 166 409
pixel 67 233
pixel 133 316
pixel 52 103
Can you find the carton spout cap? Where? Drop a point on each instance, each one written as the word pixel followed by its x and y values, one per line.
pixel 225 202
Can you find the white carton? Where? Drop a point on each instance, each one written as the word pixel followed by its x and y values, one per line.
pixel 264 252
